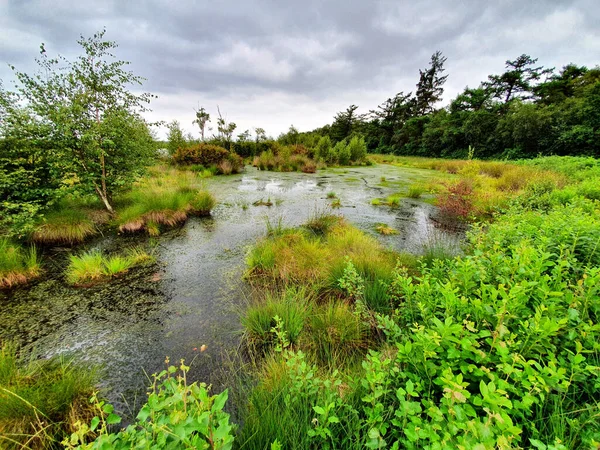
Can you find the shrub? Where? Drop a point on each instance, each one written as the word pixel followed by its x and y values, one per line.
pixel 456 202
pixel 323 148
pixel 342 153
pixel 357 149
pixel 204 154
pixel 309 167
pixel 176 415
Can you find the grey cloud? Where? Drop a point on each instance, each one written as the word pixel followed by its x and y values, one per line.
pixel 273 63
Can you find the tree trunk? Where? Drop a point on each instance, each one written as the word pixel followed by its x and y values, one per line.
pixel 105 200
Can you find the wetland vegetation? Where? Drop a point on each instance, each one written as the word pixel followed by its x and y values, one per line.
pixel 378 300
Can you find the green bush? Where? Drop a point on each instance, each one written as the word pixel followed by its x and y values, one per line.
pixel 176 415
pixel 495 349
pixel 357 149
pixel 204 154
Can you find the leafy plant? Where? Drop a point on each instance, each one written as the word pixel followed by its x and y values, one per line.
pixel 176 415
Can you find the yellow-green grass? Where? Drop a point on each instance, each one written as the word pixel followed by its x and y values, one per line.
pixel 332 333
pixel 92 266
pixel 415 191
pixel 41 400
pixel 166 199
pixel 70 222
pixel 493 183
pixel 292 307
pixel 386 230
pixel 17 265
pixel 315 255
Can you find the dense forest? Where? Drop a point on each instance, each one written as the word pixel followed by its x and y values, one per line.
pixel 524 112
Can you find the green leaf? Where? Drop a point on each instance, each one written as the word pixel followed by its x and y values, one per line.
pixel 319 410
pixel 113 419
pixel 94 423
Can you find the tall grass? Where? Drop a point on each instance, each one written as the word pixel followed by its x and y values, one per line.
pixel 41 400
pixel 165 200
pixel 292 307
pixel 17 265
pixel 315 255
pixel 92 266
pixel 65 225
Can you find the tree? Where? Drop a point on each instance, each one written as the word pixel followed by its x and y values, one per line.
pixel 289 138
pixel 391 116
pixel 175 138
pixel 244 136
pixel 431 84
pixel 82 102
pixel 518 80
pixel 202 118
pixel 344 123
pixel 261 135
pixel 357 149
pixel 225 129
pixel 471 100
pixel 30 179
pixel 323 148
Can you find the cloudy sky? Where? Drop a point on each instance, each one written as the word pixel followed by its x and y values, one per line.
pixel 276 63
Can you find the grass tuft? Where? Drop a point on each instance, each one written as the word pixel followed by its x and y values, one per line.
pixel 386 230
pixel 165 200
pixel 92 266
pixel 17 265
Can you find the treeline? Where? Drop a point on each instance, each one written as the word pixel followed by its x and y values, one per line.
pixel 524 112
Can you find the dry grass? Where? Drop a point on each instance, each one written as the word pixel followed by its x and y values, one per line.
pixel 385 229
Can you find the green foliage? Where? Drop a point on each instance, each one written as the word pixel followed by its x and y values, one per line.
pixel 98 138
pixel 323 149
pixel 40 399
pixel 341 153
pixel 494 349
pixel 357 149
pixel 176 415
pixel 175 138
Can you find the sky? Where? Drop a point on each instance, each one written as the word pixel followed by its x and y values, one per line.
pixel 277 63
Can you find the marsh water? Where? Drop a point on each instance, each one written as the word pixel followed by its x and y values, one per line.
pixel 194 294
